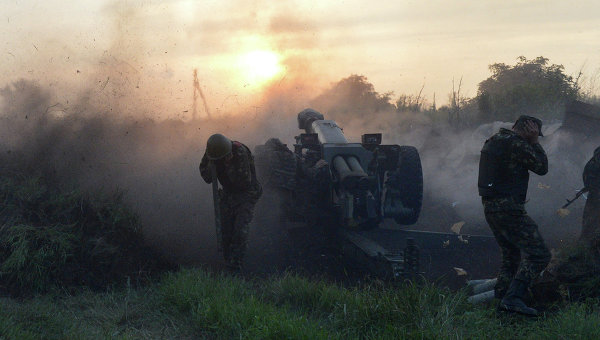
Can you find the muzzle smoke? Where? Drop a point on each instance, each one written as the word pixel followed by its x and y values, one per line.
pixel 156 162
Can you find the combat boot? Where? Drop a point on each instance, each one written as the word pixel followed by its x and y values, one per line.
pixel 499 293
pixel 513 300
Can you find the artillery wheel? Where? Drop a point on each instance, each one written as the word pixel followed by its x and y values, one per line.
pixel 410 184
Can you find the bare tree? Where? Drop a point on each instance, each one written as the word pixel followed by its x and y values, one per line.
pixel 198 91
pixel 455 104
pixel 409 102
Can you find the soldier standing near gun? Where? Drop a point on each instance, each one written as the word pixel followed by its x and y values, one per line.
pixel 590 231
pixel 233 165
pixel 506 159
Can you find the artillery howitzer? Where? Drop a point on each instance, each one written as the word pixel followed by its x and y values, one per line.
pixel 349 189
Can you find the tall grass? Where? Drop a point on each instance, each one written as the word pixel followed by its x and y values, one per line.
pixel 50 237
pixel 224 306
pixel 229 308
pixel 197 304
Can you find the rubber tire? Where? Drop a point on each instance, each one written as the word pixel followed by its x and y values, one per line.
pixel 411 184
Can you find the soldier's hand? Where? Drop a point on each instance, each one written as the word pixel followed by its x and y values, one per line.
pixel 532 132
pixel 321 163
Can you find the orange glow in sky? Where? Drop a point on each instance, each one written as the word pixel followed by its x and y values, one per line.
pixel 239 47
pixel 259 66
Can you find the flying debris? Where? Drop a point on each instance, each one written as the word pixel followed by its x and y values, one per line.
pixel 460 271
pixel 456 227
pixel 543 186
pixel 562 212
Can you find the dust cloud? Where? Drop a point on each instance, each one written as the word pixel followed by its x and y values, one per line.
pixel 109 145
pixel 114 109
pixel 450 160
pixel 155 161
pixel 122 125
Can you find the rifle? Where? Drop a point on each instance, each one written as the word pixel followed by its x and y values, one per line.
pixel 579 193
pixel 215 188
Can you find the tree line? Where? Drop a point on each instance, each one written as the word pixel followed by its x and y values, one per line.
pixel 530 86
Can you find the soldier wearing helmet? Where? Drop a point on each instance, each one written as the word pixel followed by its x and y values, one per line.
pixel 506 159
pixel 241 190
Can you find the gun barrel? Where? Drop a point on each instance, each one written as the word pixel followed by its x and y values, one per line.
pixel 350 172
pixel 340 165
pixel 328 132
pixel 355 164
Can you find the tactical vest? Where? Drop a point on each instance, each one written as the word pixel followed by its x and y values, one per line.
pixel 497 176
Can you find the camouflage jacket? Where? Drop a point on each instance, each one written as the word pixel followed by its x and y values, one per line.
pixel 506 159
pixel 237 175
pixel 591 173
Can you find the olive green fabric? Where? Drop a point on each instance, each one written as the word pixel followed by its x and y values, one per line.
pixel 524 253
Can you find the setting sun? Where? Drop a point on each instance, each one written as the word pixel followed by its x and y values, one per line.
pixel 260 66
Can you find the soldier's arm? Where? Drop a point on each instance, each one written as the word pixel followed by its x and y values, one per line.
pixel 205 169
pixel 532 156
pixel 239 172
pixel 591 174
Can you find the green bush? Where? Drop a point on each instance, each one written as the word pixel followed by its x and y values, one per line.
pixel 530 87
pixel 54 238
pixel 578 272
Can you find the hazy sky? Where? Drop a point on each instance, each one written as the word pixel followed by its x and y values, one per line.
pixel 240 47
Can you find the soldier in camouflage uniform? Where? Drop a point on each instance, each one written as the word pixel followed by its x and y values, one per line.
pixel 506 159
pixel 241 190
pixel 590 231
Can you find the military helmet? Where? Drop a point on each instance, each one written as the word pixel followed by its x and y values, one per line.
pixel 217 146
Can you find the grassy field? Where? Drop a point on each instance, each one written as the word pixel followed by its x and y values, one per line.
pixel 73 267
pixel 195 303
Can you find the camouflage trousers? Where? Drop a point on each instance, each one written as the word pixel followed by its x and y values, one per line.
pixel 590 229
pixel 517 235
pixel 236 214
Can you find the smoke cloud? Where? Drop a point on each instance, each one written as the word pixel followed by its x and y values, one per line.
pixel 120 117
pixel 156 162
pixel 450 160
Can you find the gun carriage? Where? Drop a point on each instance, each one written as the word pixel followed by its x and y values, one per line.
pixel 352 190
